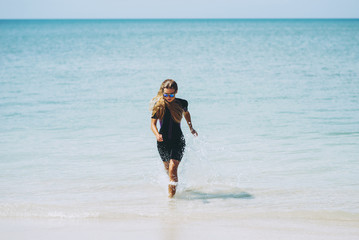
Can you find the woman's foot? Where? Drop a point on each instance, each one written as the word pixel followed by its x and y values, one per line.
pixel 172 189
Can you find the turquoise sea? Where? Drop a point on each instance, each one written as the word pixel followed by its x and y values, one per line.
pixel 275 103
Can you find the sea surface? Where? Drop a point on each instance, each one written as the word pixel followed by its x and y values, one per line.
pixel 275 103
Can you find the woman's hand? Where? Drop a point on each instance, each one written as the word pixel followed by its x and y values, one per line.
pixel 159 138
pixel 155 131
pixel 194 132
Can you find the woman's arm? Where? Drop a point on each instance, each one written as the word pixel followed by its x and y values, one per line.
pixel 155 130
pixel 187 116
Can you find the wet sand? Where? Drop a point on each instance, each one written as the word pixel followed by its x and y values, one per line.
pixel 178 229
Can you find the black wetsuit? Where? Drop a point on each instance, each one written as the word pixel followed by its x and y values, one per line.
pixel 173 144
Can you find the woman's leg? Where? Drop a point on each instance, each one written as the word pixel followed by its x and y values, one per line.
pixel 166 164
pixel 172 170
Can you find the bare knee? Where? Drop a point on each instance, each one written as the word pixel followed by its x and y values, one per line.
pixel 173 165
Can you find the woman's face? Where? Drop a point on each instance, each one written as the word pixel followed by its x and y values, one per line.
pixel 169 94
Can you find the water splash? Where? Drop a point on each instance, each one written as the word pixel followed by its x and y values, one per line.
pixel 203 174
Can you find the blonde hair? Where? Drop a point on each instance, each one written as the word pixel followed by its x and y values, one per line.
pixel 158 104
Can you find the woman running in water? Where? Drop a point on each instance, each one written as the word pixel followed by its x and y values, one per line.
pixel 170 140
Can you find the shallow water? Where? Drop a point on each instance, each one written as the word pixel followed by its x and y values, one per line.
pixel 275 103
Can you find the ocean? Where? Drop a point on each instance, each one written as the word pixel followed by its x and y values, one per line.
pixel 275 104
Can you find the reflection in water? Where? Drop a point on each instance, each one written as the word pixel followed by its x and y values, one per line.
pixel 171 223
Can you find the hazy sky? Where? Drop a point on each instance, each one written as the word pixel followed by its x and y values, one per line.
pixel 179 9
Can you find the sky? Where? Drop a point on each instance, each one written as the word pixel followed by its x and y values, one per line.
pixel 74 9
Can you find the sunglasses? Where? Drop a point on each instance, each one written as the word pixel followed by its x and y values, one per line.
pixel 168 95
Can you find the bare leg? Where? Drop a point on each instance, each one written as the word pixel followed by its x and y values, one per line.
pixel 166 164
pixel 172 169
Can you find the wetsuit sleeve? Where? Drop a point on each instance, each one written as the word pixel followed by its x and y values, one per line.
pixel 185 105
pixel 154 116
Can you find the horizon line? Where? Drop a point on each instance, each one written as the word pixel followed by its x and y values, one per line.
pixel 199 18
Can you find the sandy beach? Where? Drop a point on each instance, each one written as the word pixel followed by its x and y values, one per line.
pixel 178 229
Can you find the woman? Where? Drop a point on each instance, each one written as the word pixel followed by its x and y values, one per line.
pixel 170 141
